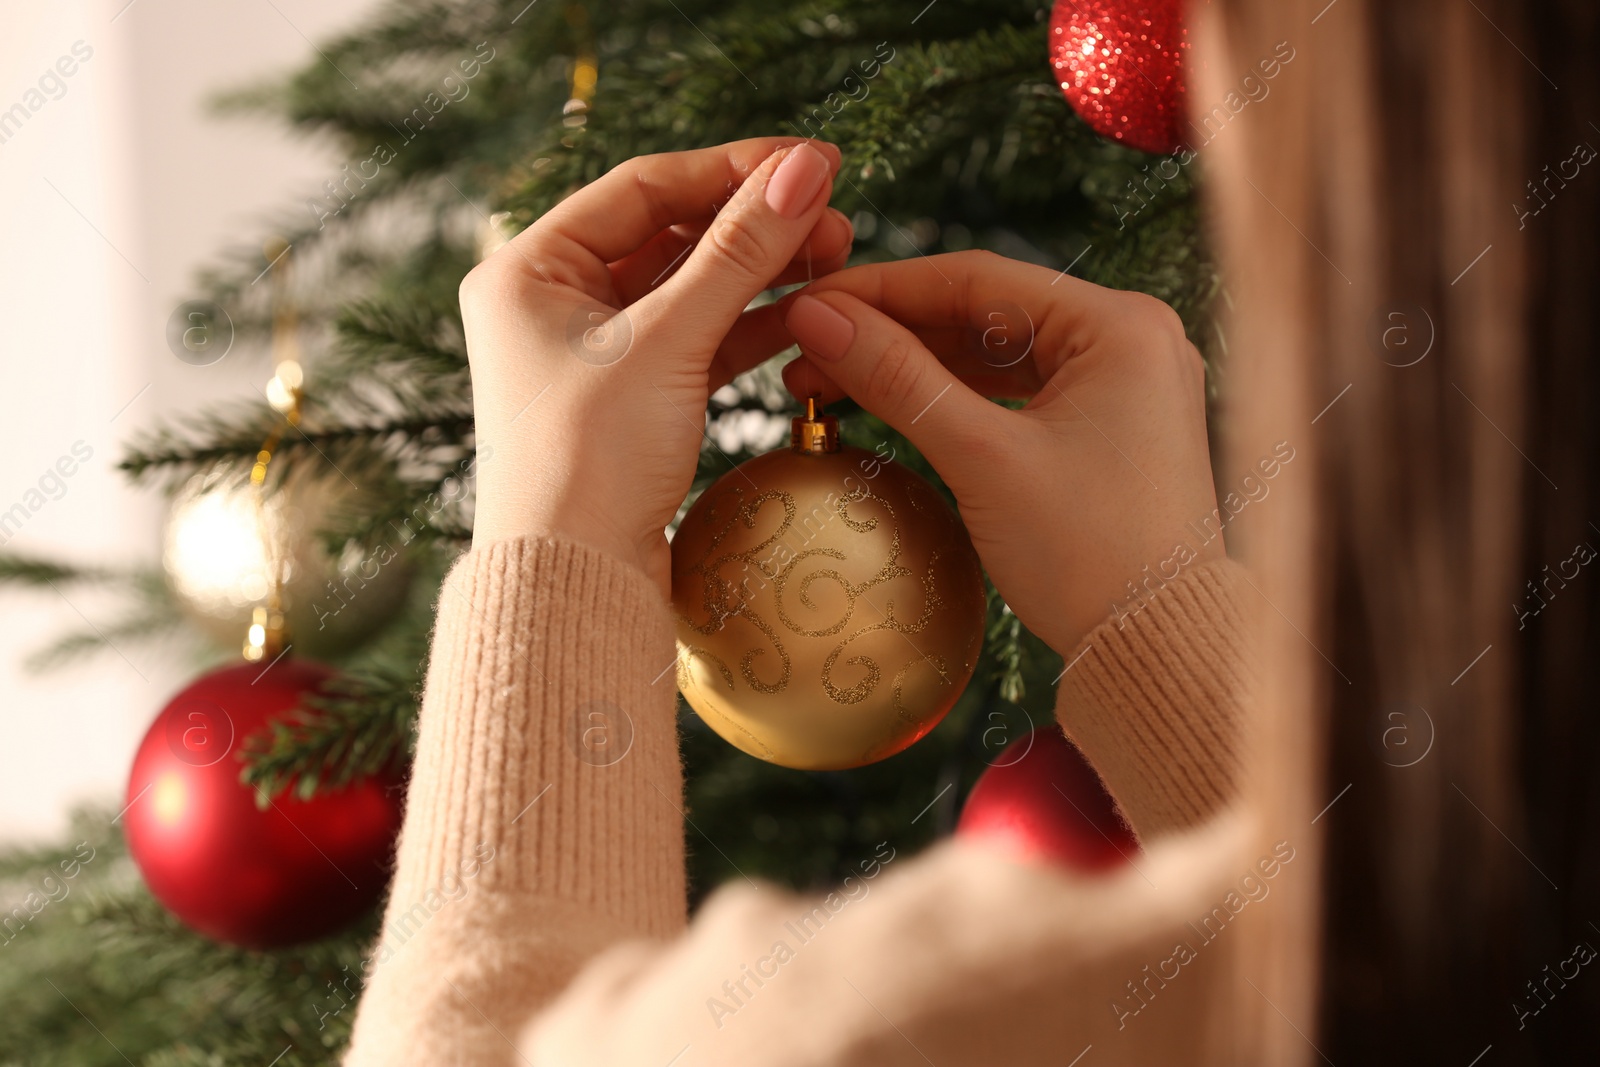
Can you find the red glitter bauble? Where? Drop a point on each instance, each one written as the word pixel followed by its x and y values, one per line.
pixel 298 870
pixel 1120 65
pixel 1041 800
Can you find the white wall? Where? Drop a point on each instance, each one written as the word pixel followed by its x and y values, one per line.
pixel 113 190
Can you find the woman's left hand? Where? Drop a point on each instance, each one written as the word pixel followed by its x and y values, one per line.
pixel 597 335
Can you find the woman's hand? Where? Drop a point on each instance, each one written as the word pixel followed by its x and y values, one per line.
pixel 597 335
pixel 1070 499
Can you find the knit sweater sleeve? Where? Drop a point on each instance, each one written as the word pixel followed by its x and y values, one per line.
pixel 1153 698
pixel 544 813
pixel 538 900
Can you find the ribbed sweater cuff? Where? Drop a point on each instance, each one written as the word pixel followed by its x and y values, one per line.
pixel 1155 699
pixel 547 738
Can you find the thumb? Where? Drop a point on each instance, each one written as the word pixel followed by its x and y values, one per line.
pixel 750 242
pixel 887 370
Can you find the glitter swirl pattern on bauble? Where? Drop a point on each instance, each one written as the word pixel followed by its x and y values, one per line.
pixel 830 608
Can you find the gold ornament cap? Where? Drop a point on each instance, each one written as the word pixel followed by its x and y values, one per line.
pixel 814 433
pixel 268 636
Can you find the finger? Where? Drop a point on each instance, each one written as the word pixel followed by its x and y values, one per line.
pixel 759 335
pixel 989 361
pixel 883 366
pixel 1015 306
pixel 826 249
pixel 804 378
pixel 615 215
pixel 806 267
pixel 752 239
pixel 989 358
pixel 636 274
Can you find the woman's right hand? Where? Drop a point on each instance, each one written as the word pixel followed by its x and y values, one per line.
pixel 1105 472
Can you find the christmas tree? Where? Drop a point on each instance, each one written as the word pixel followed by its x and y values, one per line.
pixel 473 117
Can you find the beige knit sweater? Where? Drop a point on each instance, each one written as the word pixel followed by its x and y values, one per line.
pixel 538 913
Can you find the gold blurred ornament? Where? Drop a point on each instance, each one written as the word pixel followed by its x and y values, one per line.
pixel 241 557
pixel 830 604
pixel 230 549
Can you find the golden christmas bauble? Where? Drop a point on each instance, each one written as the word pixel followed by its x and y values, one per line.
pixel 830 606
pixel 223 541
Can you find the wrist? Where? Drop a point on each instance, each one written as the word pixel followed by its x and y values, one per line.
pixel 488 533
pixel 499 519
pixel 1095 598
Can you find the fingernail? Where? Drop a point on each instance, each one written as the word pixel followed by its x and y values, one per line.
pixel 794 184
pixel 820 329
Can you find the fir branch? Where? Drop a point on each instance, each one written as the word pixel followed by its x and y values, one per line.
pixel 150 624
pixel 362 726
pixel 220 442
pixel 1002 648
pixel 404 337
pixel 17 569
pixel 151 616
pixel 413 513
pixel 218 1004
pixel 90 825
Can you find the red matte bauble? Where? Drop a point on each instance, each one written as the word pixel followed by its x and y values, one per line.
pixel 1041 800
pixel 295 871
pixel 1120 65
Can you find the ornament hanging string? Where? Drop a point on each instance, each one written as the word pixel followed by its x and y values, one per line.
pixel 585 75
pixel 494 231
pixel 268 636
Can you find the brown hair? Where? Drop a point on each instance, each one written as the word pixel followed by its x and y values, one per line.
pixel 1428 350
